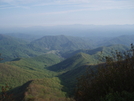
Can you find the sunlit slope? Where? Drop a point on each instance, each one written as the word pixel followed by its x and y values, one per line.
pixel 86 58
pixel 78 64
pixel 16 76
pixel 36 67
pixel 20 70
pixel 73 62
pixel 11 48
pixel 105 50
pixel 39 62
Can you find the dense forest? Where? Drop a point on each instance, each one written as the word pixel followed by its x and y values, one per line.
pixel 66 68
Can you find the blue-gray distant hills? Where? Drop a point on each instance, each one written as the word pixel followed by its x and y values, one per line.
pixel 11 47
pixel 123 39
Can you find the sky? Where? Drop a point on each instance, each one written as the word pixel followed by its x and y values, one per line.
pixel 27 13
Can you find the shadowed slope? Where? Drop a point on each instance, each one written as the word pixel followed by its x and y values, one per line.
pixel 47 89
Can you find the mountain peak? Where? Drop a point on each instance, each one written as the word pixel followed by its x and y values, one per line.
pixel 60 42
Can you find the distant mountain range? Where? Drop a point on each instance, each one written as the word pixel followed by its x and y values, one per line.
pixel 124 40
pixel 70 30
pixel 13 48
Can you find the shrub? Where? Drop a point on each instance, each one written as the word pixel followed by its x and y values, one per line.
pixel 115 74
pixel 119 96
pixel 4 95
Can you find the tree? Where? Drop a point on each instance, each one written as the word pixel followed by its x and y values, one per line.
pixel 4 95
pixel 114 76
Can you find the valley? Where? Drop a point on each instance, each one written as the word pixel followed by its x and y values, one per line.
pixel 47 68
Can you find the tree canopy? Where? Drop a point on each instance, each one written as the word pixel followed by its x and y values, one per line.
pixel 113 80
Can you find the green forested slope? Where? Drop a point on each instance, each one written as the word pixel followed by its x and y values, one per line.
pixel 73 62
pixel 39 62
pixel 47 75
pixel 106 50
pixel 16 76
pixel 124 40
pixel 44 85
pixel 60 42
pixel 12 48
pixel 27 68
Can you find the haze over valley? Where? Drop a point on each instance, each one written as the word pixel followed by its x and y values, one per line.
pixel 71 50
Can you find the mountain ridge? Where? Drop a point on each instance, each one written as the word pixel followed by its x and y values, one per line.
pixel 60 43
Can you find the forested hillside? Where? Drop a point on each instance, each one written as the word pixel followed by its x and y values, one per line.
pixel 46 69
pixel 12 48
pixel 60 42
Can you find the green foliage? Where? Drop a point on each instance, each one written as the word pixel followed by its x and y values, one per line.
pixel 52 79
pixel 119 96
pixel 95 52
pixel 73 62
pixel 114 75
pixel 124 40
pixel 75 66
pixel 13 48
pixel 16 76
pixel 39 62
pixel 59 43
pixel 17 72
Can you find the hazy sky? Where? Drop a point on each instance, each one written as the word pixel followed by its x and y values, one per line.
pixel 25 13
